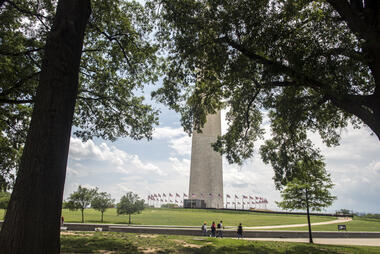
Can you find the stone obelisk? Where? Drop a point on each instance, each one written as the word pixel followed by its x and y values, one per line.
pixel 206 173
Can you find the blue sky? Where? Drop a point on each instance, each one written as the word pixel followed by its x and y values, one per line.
pixel 162 165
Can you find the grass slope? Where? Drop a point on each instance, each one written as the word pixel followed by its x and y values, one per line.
pixel 357 224
pixel 100 242
pixel 191 217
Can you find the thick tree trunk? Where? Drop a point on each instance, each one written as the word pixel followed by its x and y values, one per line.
pixel 308 218
pixel 32 222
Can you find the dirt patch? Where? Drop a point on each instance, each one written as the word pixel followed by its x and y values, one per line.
pixel 185 244
pixel 76 233
pixel 150 250
pixel 147 236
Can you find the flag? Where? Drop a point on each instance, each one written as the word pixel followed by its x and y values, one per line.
pixel 176 201
pixel 170 195
pixel 236 196
pixel 193 195
pixel 153 199
pixel 155 195
pixel 210 194
pixel 177 195
pixel 171 201
pixel 250 197
pixel 245 196
pixel 233 203
pixel 228 203
pixel 163 194
pixel 184 195
pixel 161 200
pixel 159 195
pixel 238 203
pixel 219 195
pixel 166 200
pixel 243 203
pixel 228 196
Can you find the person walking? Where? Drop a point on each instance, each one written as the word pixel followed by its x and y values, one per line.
pixel 204 229
pixel 213 229
pixel 240 231
pixel 220 229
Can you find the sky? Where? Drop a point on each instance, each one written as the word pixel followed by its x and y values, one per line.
pixel 162 165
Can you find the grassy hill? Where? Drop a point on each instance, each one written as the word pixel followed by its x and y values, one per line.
pixel 191 217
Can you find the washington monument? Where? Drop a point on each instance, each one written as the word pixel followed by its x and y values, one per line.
pixel 206 173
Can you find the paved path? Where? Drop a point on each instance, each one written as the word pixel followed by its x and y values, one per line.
pixel 331 241
pixel 340 220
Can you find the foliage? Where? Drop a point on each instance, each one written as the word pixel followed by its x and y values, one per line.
pixel 309 189
pixel 81 199
pixel 344 211
pixel 169 205
pixel 4 199
pixel 135 243
pixel 117 60
pixel 303 63
pixel 101 202
pixel 129 204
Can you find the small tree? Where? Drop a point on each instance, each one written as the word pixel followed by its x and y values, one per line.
pixel 81 199
pixel 310 190
pixel 101 202
pixel 130 204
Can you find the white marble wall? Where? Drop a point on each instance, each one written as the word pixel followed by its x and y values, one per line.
pixel 206 172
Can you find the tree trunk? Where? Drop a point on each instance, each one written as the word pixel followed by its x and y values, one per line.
pixel 129 219
pixel 32 222
pixel 82 211
pixel 101 220
pixel 308 218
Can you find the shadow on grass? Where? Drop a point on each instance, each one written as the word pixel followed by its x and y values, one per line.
pixel 258 250
pixel 91 244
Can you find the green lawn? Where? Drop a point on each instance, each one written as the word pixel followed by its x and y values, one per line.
pixel 191 217
pixel 100 242
pixel 357 224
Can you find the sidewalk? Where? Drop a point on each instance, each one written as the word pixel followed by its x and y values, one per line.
pixel 330 241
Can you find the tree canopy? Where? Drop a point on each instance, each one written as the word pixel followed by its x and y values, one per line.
pixel 81 199
pixel 306 65
pixel 309 190
pixel 118 58
pixel 101 202
pixel 129 204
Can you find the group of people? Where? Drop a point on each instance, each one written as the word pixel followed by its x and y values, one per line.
pixel 217 230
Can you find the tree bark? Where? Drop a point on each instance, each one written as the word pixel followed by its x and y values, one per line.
pixel 129 219
pixel 32 222
pixel 308 218
pixel 102 218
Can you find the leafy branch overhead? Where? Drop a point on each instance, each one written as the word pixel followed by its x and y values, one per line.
pixel 118 58
pixel 302 65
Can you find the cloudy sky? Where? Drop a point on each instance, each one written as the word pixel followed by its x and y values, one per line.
pixel 162 165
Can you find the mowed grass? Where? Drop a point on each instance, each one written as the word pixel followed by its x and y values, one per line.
pixel 191 217
pixel 357 224
pixel 101 242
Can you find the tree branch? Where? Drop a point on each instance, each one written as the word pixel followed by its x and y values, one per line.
pixel 19 84
pixel 20 53
pixel 355 21
pixel 9 101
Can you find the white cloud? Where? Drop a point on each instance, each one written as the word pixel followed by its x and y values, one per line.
pixel 167 132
